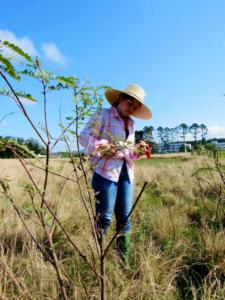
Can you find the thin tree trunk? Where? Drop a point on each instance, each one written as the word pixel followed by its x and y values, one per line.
pixel 102 266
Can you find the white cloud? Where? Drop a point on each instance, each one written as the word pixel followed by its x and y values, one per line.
pixel 216 131
pixel 51 52
pixel 23 42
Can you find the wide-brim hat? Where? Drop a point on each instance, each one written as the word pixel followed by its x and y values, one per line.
pixel 135 91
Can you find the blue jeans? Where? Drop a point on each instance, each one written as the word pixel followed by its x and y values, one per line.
pixel 113 197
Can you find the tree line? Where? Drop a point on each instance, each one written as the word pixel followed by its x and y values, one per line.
pixel 166 136
pixel 176 134
pixel 26 147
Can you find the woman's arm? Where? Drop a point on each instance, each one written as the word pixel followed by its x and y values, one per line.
pixel 91 134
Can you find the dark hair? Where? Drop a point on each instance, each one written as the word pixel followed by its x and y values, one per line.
pixel 125 97
pixel 115 104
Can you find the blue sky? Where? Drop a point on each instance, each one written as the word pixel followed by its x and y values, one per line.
pixel 174 49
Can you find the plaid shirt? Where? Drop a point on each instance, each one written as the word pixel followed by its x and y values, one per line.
pixel 106 126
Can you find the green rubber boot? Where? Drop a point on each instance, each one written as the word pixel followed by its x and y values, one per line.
pixel 123 247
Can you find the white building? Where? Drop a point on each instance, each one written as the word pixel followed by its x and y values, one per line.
pixel 173 147
pixel 219 145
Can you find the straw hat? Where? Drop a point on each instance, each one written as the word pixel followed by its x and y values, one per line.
pixel 137 93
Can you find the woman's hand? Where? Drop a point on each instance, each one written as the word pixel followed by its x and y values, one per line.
pixel 143 149
pixel 140 148
pixel 107 150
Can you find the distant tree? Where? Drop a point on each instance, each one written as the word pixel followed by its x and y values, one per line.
pixel 160 134
pixel 154 147
pixel 166 138
pixel 176 133
pixel 183 131
pixel 139 135
pixel 204 131
pixel 20 141
pixel 173 136
pixel 167 134
pixel 10 149
pixel 34 146
pixel 148 133
pixel 195 130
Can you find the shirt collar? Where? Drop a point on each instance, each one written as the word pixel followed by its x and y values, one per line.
pixel 114 113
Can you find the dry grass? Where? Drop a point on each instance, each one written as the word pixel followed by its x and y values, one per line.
pixel 168 238
pixel 169 155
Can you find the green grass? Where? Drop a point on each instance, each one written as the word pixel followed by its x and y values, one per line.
pixel 160 161
pixel 222 153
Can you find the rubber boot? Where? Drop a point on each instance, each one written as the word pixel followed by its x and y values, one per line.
pixel 123 247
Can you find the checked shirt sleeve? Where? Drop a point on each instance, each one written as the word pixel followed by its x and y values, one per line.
pixel 91 134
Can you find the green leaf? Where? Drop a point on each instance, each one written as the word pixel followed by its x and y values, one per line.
pixel 5 92
pixel 57 244
pixel 29 73
pixel 59 86
pixel 69 118
pixel 26 96
pixel 72 132
pixel 49 221
pixel 86 101
pixel 28 208
pixel 71 81
pixel 18 50
pixel 105 87
pixel 8 67
pixel 22 94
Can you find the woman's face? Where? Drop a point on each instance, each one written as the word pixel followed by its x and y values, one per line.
pixel 127 106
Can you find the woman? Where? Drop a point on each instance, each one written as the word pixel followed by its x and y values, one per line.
pixel 109 141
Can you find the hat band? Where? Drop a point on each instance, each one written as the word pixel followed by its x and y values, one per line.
pixel 135 96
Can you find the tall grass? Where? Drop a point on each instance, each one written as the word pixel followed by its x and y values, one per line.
pixel 178 241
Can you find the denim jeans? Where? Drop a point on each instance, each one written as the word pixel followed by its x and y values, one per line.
pixel 113 197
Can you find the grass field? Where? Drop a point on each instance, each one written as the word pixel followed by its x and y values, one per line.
pixel 178 241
